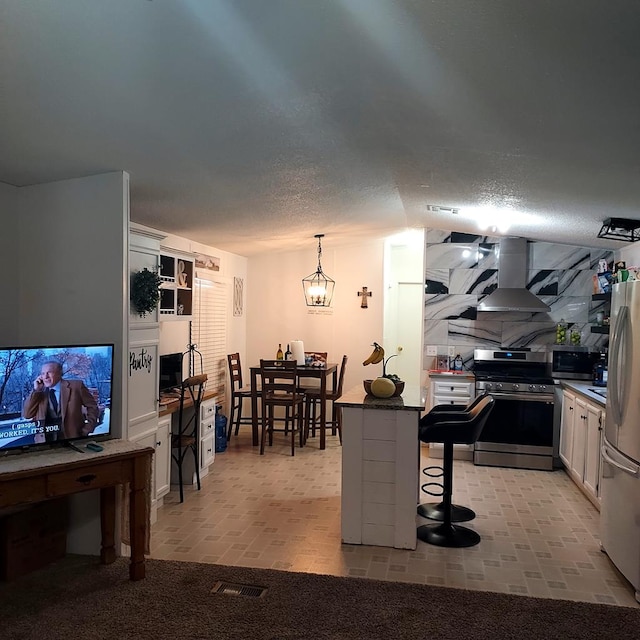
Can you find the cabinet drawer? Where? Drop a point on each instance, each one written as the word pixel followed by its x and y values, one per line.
pixel 207 452
pixel 466 389
pixel 27 490
pixel 207 429
pixel 208 409
pixel 60 484
pixel 450 400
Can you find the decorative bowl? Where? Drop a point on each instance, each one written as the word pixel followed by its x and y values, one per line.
pixel 397 393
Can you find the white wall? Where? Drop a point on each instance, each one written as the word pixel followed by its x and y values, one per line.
pixel 70 255
pixel 277 312
pixel 10 263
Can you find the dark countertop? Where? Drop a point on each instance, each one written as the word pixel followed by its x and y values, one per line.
pixel 413 398
pixel 584 389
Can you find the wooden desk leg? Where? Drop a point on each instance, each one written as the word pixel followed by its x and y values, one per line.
pixel 108 524
pixel 138 520
pixel 254 407
pixel 323 410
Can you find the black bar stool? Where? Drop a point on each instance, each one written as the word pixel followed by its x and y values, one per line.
pixel 436 511
pixel 453 428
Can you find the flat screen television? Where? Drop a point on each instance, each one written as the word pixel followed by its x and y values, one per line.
pixel 170 371
pixel 54 395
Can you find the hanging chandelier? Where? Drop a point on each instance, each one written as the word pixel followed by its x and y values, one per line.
pixel 318 287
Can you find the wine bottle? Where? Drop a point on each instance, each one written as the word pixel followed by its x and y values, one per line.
pixel 288 354
pixel 279 355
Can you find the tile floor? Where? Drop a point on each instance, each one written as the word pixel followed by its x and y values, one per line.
pixel 539 533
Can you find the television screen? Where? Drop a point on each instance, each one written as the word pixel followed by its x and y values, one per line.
pixel 52 395
pixel 170 371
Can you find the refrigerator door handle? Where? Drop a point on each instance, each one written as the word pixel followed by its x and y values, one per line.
pixel 617 342
pixel 631 471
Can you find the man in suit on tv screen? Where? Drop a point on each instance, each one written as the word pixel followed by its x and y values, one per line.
pixel 67 407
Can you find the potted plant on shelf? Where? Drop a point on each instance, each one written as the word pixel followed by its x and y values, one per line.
pixel 388 385
pixel 145 291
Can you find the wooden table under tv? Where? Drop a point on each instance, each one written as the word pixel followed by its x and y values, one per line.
pixel 321 373
pixel 36 476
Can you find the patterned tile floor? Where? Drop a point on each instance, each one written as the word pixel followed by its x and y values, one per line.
pixel 539 533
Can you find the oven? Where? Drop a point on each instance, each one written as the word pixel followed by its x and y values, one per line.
pixel 521 431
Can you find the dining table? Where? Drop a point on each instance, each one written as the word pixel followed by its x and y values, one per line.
pixel 303 371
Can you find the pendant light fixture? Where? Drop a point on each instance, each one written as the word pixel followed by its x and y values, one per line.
pixel 318 287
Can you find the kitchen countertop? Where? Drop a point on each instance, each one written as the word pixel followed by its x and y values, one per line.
pixel 413 398
pixel 448 373
pixel 584 389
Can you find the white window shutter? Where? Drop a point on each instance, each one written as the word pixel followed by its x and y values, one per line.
pixel 209 330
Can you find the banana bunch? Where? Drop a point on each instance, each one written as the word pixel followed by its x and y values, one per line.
pixel 377 355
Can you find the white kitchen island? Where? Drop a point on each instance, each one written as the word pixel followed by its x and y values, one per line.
pixel 380 467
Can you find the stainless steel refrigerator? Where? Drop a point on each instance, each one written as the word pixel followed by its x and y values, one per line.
pixel 620 484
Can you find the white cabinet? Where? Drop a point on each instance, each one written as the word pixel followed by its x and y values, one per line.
pixel 207 435
pixel 451 392
pixel 566 427
pixel 176 290
pixel 162 457
pixel 206 445
pixel 580 441
pixel 593 442
pixel 451 389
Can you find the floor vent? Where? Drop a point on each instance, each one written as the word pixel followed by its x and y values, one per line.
pixel 234 589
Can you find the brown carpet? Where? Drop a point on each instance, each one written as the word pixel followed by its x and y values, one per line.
pixel 77 599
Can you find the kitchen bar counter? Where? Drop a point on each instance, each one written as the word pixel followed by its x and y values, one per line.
pixel 380 467
pixel 584 389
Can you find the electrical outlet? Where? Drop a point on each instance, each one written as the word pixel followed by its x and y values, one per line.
pixel 452 352
pixel 432 350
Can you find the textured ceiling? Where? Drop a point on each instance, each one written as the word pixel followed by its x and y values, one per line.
pixel 252 125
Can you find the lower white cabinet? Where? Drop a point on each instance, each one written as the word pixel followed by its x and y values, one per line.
pixel 580 441
pixel 206 446
pixel 162 458
pixel 158 437
pixel 451 390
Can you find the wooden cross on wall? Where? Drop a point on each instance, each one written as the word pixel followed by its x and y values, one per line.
pixel 365 293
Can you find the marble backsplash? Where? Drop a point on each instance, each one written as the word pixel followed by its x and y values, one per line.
pixel 461 269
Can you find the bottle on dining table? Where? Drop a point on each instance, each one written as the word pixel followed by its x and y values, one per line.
pixel 279 354
pixel 287 354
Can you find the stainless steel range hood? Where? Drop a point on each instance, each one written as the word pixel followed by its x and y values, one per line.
pixel 512 293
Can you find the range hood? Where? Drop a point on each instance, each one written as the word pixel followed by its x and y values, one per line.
pixel 512 293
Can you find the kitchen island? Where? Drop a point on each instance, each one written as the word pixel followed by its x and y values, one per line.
pixel 380 467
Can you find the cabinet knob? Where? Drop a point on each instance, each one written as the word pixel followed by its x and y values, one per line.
pixel 159 443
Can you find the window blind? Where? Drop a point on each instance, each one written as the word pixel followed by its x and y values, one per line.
pixel 209 330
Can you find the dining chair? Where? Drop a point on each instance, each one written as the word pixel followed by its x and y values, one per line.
pixel 239 393
pixel 312 405
pixel 186 437
pixel 312 383
pixel 280 390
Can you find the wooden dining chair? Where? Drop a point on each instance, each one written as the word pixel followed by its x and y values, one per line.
pixel 312 406
pixel 239 393
pixel 280 390
pixel 186 436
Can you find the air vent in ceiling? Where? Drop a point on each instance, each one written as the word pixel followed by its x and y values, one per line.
pixel 436 208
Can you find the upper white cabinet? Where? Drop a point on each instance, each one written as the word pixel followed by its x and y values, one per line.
pixel 176 290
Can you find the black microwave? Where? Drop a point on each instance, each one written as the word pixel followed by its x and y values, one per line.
pixel 573 363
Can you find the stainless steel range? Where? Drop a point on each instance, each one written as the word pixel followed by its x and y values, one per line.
pixel 520 431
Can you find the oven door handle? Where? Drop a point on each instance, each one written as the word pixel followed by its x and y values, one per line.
pixel 525 397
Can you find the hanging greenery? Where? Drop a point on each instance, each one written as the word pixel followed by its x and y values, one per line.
pixel 145 291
